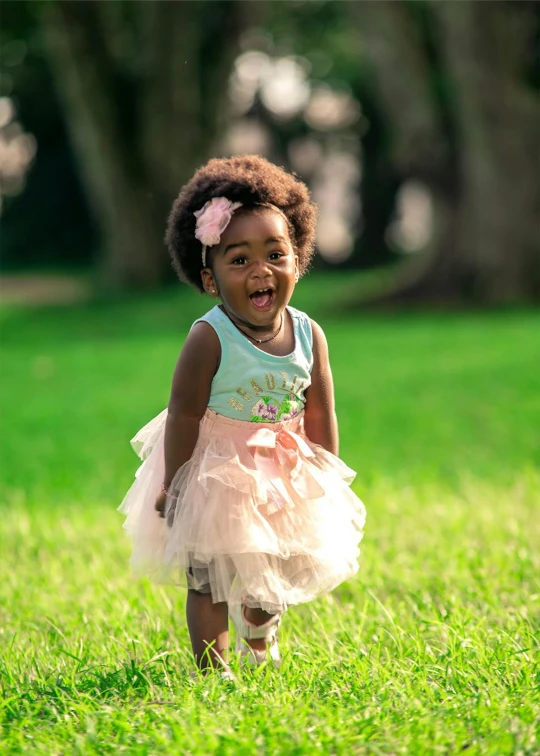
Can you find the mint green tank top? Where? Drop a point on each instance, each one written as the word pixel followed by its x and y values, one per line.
pixel 253 385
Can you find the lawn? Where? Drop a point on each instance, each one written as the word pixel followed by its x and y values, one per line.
pixel 431 649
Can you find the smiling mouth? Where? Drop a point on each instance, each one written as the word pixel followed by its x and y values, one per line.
pixel 262 299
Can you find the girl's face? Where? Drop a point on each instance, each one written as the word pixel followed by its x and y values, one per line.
pixel 254 268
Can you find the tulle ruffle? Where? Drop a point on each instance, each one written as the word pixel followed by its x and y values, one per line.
pixel 258 515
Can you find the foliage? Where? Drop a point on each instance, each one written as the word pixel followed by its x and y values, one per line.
pixel 439 91
pixel 53 196
pixel 432 648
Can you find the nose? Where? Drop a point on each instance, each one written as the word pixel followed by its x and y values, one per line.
pixel 261 269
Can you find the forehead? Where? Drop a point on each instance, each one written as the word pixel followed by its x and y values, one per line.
pixel 255 225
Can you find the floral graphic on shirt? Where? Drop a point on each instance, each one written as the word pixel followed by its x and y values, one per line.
pixel 290 407
pixel 267 410
pixel 264 411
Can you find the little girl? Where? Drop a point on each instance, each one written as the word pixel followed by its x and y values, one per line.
pixel 239 488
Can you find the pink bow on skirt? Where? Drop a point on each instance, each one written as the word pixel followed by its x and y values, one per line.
pixel 279 457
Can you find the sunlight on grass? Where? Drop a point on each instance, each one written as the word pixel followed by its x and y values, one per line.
pixel 432 648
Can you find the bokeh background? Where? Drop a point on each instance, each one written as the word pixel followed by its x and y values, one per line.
pixel 415 124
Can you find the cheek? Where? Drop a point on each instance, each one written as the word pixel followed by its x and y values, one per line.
pixel 291 267
pixel 228 280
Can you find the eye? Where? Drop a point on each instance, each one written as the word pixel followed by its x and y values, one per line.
pixel 275 255
pixel 239 261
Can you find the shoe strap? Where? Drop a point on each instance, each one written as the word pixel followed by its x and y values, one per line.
pixel 266 632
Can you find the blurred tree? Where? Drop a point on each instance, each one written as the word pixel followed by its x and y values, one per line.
pixel 454 83
pixel 50 194
pixel 448 97
pixel 322 35
pixel 143 86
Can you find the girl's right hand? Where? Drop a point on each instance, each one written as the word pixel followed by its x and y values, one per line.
pixel 161 501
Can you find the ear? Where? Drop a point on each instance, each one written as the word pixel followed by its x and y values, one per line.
pixel 296 269
pixel 209 282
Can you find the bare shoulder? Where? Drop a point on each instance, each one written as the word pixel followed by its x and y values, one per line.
pixel 192 378
pixel 202 336
pixel 201 350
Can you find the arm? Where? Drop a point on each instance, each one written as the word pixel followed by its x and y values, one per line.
pixel 320 421
pixel 190 391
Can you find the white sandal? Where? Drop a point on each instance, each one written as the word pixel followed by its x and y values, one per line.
pixel 246 630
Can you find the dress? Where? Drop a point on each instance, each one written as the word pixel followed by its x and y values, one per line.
pixel 259 515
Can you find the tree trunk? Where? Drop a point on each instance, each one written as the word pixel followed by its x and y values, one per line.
pixel 392 46
pixel 142 119
pixel 118 192
pixel 379 186
pixel 482 167
pixel 189 51
pixel 496 256
pixel 418 146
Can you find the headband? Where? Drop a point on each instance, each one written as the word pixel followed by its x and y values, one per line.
pixel 214 217
pixel 212 220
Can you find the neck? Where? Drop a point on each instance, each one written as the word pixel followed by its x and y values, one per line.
pixel 258 331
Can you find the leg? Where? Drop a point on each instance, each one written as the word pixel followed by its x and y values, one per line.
pixel 208 625
pixel 257 630
pixel 257 617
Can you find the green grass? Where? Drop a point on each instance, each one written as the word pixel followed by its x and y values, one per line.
pixel 431 649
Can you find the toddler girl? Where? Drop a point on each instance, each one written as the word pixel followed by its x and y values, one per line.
pixel 239 488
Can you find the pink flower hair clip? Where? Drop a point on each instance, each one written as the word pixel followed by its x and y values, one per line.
pixel 212 220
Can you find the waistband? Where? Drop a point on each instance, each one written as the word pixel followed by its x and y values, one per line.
pixel 213 424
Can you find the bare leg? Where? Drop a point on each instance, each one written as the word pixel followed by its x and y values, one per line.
pixel 258 617
pixel 208 625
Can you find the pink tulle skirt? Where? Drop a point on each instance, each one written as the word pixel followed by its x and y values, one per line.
pixel 258 515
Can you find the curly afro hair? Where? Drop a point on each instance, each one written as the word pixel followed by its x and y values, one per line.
pixel 248 179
